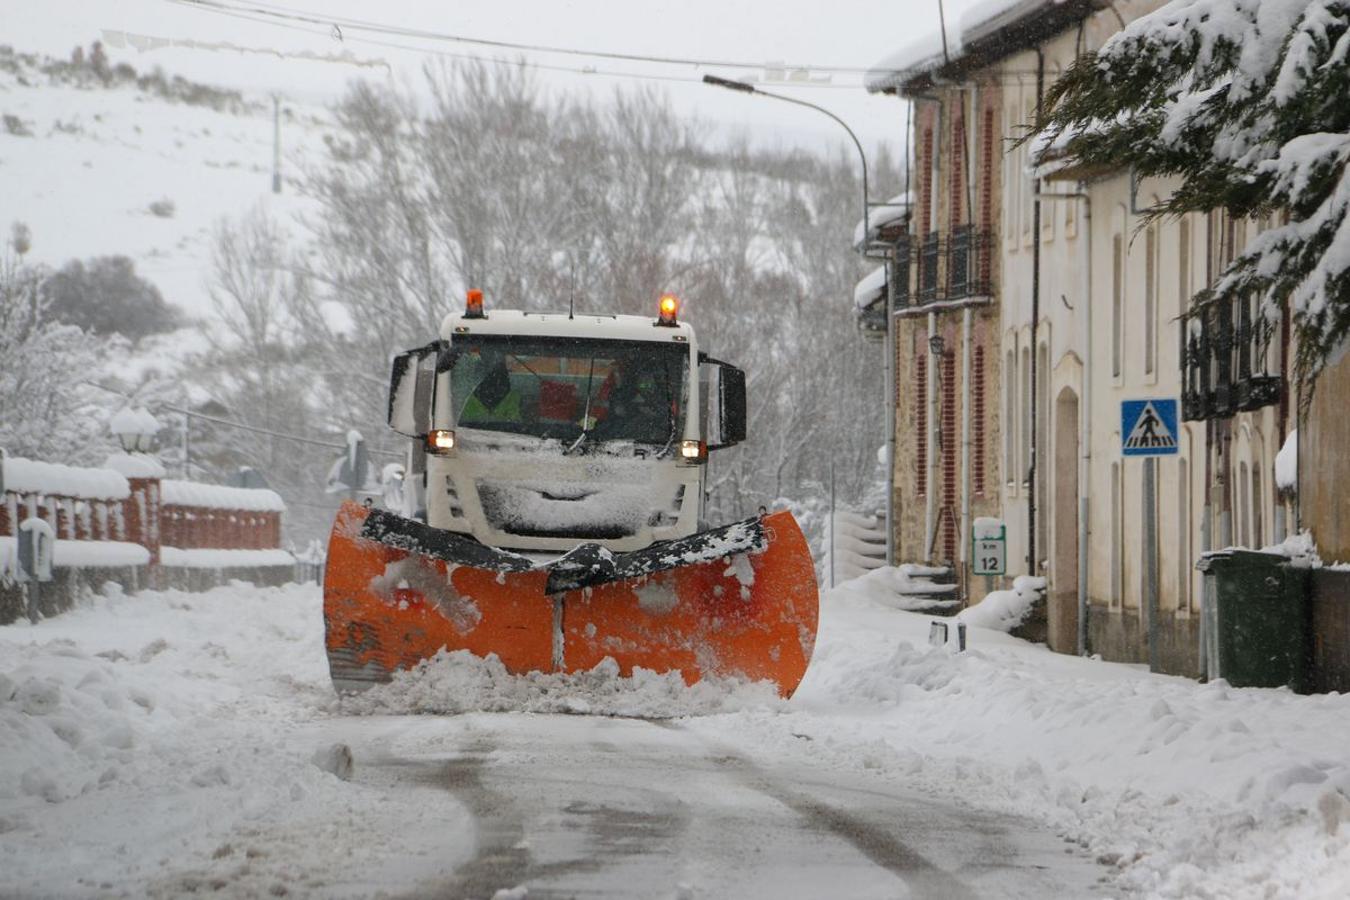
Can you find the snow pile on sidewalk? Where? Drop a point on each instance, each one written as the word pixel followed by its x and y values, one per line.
pixel 459 682
pixel 160 744
pixel 1005 610
pixel 1182 789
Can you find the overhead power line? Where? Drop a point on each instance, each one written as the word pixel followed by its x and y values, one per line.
pixel 337 26
pixel 269 432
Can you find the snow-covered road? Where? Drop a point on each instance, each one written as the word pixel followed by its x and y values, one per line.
pixel 166 744
pixel 583 806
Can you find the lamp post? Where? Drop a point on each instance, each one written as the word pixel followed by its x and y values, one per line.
pixel 751 89
pixel 890 311
pixel 135 429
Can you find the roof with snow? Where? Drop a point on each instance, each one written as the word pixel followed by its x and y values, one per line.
pixel 215 496
pixel 985 33
pixel 29 476
pixel 870 288
pixel 881 218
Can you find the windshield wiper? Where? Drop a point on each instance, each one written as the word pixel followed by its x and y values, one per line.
pixel 585 415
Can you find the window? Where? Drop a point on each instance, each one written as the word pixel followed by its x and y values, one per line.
pixel 1150 299
pixel 1183 264
pixel 1024 452
pixel 1025 185
pixel 1183 543
pixel 1010 417
pixel 1012 184
pixel 1244 506
pixel 1116 536
pixel 1117 303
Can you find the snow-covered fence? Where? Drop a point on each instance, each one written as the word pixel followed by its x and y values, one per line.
pixel 200 516
pixel 125 522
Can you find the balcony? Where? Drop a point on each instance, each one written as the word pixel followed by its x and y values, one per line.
pixel 955 266
pixel 870 294
pixel 1228 361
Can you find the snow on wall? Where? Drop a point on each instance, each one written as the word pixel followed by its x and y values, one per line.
pixel 1286 463
pixel 214 496
pixel 135 465
pixel 79 555
pixel 223 559
pixel 29 476
pixel 878 217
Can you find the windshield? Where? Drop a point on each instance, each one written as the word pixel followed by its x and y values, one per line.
pixel 570 388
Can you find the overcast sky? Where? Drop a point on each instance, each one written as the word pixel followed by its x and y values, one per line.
pixel 845 33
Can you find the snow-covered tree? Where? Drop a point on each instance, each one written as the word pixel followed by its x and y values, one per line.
pixel 1244 100
pixel 46 370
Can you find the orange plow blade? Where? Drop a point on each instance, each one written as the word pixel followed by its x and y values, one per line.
pixel 747 615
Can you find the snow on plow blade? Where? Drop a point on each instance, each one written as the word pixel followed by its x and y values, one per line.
pixel 737 601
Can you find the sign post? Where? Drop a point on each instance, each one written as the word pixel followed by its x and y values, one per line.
pixel 989 543
pixel 1148 428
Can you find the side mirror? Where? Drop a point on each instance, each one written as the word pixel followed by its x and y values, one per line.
pixel 724 419
pixel 410 387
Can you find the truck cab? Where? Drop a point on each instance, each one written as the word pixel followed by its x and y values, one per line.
pixel 540 431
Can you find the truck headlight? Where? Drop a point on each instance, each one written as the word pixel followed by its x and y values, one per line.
pixel 441 442
pixel 693 452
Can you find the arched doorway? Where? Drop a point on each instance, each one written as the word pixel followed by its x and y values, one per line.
pixel 1062 612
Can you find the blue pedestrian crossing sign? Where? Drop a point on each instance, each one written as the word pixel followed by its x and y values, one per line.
pixel 1148 427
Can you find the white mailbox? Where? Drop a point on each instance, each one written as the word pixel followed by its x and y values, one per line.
pixel 37 543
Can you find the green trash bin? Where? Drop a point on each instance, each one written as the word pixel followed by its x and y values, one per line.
pixel 1257 620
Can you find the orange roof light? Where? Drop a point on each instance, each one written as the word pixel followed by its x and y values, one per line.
pixel 473 304
pixel 670 305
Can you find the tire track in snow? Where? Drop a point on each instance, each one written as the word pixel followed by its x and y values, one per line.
pixel 877 844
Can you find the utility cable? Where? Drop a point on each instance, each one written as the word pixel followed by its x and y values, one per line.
pixel 277 11
pixel 521 63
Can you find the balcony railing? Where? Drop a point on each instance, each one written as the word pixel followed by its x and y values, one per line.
pixel 1228 362
pixel 872 318
pixel 930 251
pixel 954 266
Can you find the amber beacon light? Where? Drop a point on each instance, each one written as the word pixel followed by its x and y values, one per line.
pixel 473 304
pixel 669 306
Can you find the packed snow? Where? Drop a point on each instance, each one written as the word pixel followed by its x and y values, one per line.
pixel 30 476
pixel 168 742
pixel 214 496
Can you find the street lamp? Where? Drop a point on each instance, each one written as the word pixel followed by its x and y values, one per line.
pixel 751 89
pixel 890 293
pixel 135 429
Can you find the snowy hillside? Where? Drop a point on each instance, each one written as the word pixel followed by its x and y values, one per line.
pixel 99 169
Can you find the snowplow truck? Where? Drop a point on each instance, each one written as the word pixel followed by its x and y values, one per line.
pixel 553 507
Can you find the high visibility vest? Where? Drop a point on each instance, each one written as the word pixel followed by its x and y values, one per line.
pixel 506 411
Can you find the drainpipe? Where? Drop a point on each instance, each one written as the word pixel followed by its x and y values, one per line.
pixel 891 288
pixel 1085 427
pixel 1035 322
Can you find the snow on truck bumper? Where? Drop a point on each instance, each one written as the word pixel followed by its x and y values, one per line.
pixel 538 501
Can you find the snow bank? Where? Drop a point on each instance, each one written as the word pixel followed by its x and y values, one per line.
pixel 223 559
pixel 1179 789
pixel 214 496
pixel 459 682
pixel 907 587
pixel 1286 463
pixel 1005 610
pixel 28 476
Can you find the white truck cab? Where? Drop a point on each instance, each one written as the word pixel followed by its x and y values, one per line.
pixel 536 432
